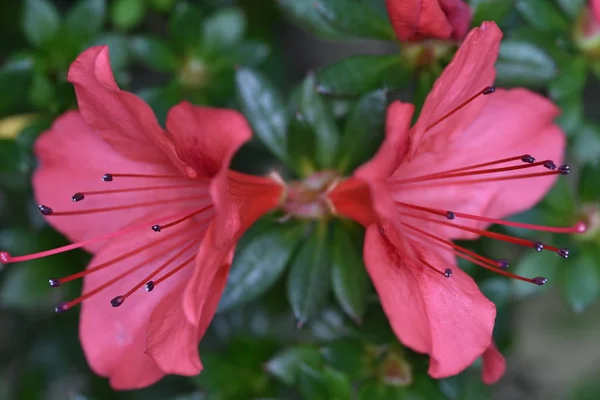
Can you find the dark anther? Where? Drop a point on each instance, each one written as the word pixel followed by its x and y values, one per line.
pixel 448 273
pixel 117 301
pixel 538 246
pixel 156 228
pixel 564 253
pixel 150 286
pixel 528 159
pixel 489 90
pixel 77 197
pixel 62 307
pixel 107 178
pixel 539 280
pixel 54 282
pixel 45 209
pixel 503 263
pixel 550 165
pixel 564 169
pixel 450 215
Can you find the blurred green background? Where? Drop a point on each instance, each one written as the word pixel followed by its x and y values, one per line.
pixel 341 59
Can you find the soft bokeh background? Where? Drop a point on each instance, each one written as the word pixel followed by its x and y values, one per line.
pixel 170 50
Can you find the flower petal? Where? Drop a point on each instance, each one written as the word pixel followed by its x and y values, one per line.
pixel 494 365
pixel 459 15
pixel 471 70
pixel 73 159
pixel 418 19
pixel 122 119
pixel 207 138
pixel 447 318
pixel 512 123
pixel 114 339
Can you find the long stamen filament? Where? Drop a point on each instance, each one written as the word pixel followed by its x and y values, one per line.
pixel 485 91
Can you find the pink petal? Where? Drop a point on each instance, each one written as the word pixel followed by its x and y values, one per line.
pixel 494 365
pixel 512 123
pixel 73 159
pixel 207 138
pixel 459 15
pixel 418 19
pixel 595 5
pixel 114 339
pixel 471 70
pixel 120 118
pixel 447 318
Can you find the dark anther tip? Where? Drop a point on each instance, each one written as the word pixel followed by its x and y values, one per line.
pixel 450 215
pixel 550 165
pixel 117 301
pixel 45 209
pixel 62 307
pixel 150 286
pixel 539 280
pixel 564 169
pixel 528 159
pixel 77 197
pixel 54 282
pixel 489 90
pixel 448 273
pixel 107 178
pixel 503 263
pixel 564 253
pixel 156 228
pixel 538 246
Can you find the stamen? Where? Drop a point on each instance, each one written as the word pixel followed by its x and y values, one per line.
pixel 579 227
pixel 485 91
pixel 564 253
pixel 45 209
pixel 158 228
pixel 564 169
pixel 82 195
pixel 448 273
pixel 498 271
pixel 539 280
pixel 109 177
pixel 503 263
pixel 434 269
pixel 150 286
pixel 550 165
pixel 184 264
pixel 77 197
pixel 117 301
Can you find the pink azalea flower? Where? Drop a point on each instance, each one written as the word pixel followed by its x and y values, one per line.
pixel 159 210
pixel 415 20
pixel 464 165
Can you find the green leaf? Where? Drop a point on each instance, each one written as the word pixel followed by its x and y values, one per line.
pixel 349 276
pixel 258 264
pixel 308 281
pixel 224 29
pixel 589 190
pixel 580 282
pixel 572 114
pixel 364 131
pixel 185 29
pixel 313 107
pixel 118 47
pixel 326 384
pixel 301 146
pixel 42 91
pixel 286 364
pixel 248 53
pixel 362 74
pixel 524 64
pixel 126 14
pixel 86 18
pixel 336 19
pixel 262 104
pixel 572 8
pixel 490 10
pixel 571 81
pixel 14 77
pixel 348 356
pixel 41 22
pixel 154 52
pixel 533 264
pixel 542 15
pixel 586 146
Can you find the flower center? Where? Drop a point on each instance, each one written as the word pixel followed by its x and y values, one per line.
pixel 307 199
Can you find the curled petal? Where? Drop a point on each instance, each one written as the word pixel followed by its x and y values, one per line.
pixel 494 365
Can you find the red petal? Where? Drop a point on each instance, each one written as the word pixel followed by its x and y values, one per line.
pixel 418 19
pixel 494 365
pixel 459 15
pixel 121 118
pixel 471 70
pixel 447 318
pixel 207 138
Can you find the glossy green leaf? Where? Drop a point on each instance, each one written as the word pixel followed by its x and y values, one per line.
pixel 42 91
pixel 350 280
pixel 490 10
pixel 364 131
pixel 586 146
pixel 286 364
pixel 86 18
pixel 162 5
pixel 534 264
pixel 262 104
pixel 336 19
pixel 580 280
pixel 571 118
pixel 301 145
pixel 542 15
pixel 589 184
pixel 185 31
pixel 126 14
pixel 248 53
pixel 571 81
pixel 524 64
pixel 313 107
pixel 14 77
pixel 154 52
pixel 41 21
pixel 362 74
pixel 347 356
pixel 572 8
pixel 325 384
pixel 308 282
pixel 258 264
pixel 224 29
